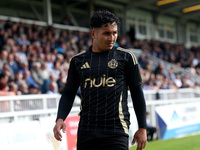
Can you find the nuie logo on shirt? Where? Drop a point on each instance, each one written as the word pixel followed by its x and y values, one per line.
pixel 103 81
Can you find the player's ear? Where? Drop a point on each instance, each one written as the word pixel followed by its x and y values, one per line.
pixel 92 33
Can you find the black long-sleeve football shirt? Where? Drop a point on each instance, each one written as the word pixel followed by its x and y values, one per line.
pixel 104 79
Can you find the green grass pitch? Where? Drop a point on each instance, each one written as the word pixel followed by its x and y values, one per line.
pixel 184 143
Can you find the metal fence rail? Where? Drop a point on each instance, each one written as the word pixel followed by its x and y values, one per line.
pixel 32 107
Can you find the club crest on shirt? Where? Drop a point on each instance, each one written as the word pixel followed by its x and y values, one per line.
pixel 112 64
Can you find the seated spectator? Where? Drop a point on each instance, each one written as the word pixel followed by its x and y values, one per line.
pixel 35 73
pixel 13 87
pixel 160 69
pixel 32 57
pixel 4 105
pixel 151 130
pixel 12 63
pixel 50 63
pixel 33 90
pixel 28 78
pixel 22 40
pixel 23 66
pixel 56 69
pixel 18 78
pixel 7 71
pixel 23 88
pixel 188 81
pixel 61 82
pixel 4 78
pixel 3 57
pixel 52 88
pixel 4 90
pixel 44 72
pixel 22 53
pixel 177 80
pixel 143 61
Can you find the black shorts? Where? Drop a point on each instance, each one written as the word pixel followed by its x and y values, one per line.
pixel 101 141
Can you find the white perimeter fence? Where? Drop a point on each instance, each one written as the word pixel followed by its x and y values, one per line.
pixel 32 107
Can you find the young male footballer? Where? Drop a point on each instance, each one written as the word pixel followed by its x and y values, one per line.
pixel 104 73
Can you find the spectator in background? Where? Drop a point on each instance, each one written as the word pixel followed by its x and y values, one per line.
pixel 69 55
pixel 33 90
pixel 34 43
pixel 61 81
pixel 172 75
pixel 44 72
pixel 60 58
pixel 143 61
pixel 188 81
pixel 61 48
pixel 23 66
pixel 22 53
pixel 48 59
pixel 160 69
pixel 22 40
pixel 52 88
pixel 165 83
pixel 4 90
pixel 7 71
pixel 151 130
pixel 23 88
pixel 67 21
pixel 16 59
pixel 12 63
pixel 53 78
pixel 18 78
pixel 35 73
pixel 32 57
pixel 4 77
pixel 28 78
pixel 3 57
pixel 56 69
pixel 177 80
pixel 4 105
pixel 13 87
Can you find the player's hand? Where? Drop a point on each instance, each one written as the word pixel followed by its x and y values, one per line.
pixel 141 138
pixel 60 124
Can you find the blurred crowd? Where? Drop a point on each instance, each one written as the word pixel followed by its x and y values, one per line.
pixel 177 54
pixel 35 59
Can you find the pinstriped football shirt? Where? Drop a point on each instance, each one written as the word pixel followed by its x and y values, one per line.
pixel 104 79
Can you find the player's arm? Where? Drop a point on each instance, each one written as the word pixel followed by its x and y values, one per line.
pixel 66 100
pixel 135 85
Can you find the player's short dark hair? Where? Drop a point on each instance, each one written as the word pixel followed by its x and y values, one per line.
pixel 103 17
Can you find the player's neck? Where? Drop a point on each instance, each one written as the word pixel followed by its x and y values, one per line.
pixel 95 49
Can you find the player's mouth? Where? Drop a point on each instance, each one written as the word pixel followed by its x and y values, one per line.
pixel 110 44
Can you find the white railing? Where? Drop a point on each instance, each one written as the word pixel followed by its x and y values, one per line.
pixel 32 107
pixel 14 108
pixel 171 94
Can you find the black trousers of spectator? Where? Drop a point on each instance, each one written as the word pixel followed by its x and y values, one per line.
pixel 150 133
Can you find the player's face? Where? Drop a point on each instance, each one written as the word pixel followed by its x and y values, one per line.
pixel 104 38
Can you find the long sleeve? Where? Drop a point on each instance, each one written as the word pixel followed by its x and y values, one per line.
pixel 69 92
pixel 139 105
pixel 135 85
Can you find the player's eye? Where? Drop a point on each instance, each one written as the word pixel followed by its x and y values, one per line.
pixel 114 33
